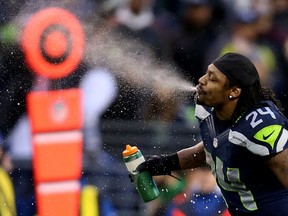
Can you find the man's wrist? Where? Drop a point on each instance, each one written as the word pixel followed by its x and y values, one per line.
pixel 172 161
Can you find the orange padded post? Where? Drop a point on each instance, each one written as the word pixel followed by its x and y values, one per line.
pixel 57 156
pixel 56 119
pixel 51 111
pixel 58 199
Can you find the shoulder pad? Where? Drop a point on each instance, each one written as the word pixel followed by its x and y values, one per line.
pixel 201 112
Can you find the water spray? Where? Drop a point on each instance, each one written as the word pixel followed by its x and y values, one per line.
pixel 131 61
pixel 135 63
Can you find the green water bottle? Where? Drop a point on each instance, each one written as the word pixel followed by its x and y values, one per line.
pixel 144 182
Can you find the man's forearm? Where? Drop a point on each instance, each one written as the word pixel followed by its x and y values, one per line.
pixel 278 163
pixel 192 157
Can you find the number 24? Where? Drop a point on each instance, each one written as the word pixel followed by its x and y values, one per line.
pixel 256 119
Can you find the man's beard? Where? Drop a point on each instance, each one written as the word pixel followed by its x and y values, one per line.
pixel 197 101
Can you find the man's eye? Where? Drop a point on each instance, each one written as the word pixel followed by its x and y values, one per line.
pixel 211 78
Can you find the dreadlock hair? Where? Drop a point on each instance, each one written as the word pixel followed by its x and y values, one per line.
pixel 270 95
pixel 251 96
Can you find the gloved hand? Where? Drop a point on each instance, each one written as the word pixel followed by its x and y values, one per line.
pixel 160 164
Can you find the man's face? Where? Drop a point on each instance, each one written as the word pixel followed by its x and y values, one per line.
pixel 213 89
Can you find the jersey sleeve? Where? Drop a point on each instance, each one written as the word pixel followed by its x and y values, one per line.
pixel 275 136
pixel 263 132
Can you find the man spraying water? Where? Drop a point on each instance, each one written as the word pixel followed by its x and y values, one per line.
pixel 244 139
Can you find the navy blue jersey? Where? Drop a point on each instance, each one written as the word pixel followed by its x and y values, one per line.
pixel 237 155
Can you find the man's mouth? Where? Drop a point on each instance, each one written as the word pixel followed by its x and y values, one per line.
pixel 199 90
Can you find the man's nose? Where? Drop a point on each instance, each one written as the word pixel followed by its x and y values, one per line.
pixel 202 80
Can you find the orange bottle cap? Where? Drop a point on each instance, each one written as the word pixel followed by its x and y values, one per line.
pixel 129 150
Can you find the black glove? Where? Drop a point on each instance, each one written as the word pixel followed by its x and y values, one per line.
pixel 160 164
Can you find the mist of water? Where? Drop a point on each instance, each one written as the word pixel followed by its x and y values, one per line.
pixel 136 64
pixel 132 61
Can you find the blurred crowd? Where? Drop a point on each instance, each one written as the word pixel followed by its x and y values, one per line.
pixel 187 34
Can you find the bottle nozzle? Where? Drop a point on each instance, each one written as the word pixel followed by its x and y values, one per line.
pixel 129 150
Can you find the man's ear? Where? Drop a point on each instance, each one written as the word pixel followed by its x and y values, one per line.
pixel 235 92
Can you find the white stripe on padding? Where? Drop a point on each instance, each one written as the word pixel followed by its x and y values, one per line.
pixel 58 137
pixel 283 140
pixel 241 140
pixel 58 187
